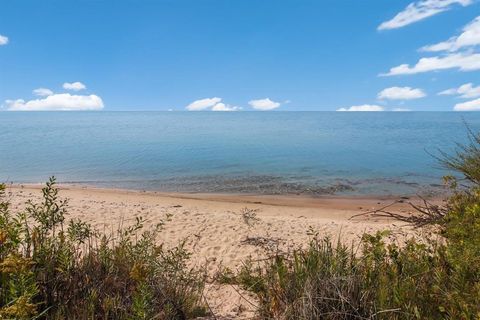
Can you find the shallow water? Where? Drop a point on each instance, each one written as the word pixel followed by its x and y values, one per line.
pixel 309 153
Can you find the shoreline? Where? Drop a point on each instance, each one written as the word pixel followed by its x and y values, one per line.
pixel 267 184
pixel 327 201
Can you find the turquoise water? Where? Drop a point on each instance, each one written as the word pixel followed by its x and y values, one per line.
pixel 310 153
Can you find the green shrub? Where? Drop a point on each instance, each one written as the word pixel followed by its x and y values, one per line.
pixel 385 281
pixel 50 269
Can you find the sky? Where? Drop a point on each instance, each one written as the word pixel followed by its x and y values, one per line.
pixel 240 55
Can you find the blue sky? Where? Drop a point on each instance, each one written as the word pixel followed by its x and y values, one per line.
pixel 239 55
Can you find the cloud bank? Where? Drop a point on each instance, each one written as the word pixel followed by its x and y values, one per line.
pixel 203 104
pixel 417 11
pixel 213 104
pixel 401 93
pixel 50 101
pixel 264 104
pixel 224 107
pixel 57 102
pixel 216 104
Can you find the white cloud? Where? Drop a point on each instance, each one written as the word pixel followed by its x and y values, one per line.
pixel 42 92
pixel 468 38
pixel 75 86
pixel 449 92
pixel 401 93
pixel 224 107
pixel 3 40
pixel 401 109
pixel 203 104
pixel 57 102
pixel 420 10
pixel 364 107
pixel 473 105
pixel 466 91
pixel 463 61
pixel 213 104
pixel 264 104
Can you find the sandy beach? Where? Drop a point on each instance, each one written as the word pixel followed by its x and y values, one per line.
pixel 213 227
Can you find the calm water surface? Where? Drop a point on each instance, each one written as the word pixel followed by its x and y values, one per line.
pixel 308 153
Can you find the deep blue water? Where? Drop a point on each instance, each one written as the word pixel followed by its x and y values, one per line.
pixel 251 152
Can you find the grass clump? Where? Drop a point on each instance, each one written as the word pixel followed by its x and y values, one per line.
pixel 51 269
pixel 437 278
pixel 432 280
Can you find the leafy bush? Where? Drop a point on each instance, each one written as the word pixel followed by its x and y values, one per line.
pixel 385 281
pixel 51 269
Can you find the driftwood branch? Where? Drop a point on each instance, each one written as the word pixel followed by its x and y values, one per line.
pixel 426 213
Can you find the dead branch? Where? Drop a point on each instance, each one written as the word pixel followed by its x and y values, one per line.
pixel 426 213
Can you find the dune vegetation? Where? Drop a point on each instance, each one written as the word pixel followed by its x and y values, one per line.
pixel 433 278
pixel 51 269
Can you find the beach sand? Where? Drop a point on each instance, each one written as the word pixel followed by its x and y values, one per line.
pixel 214 228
